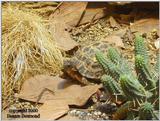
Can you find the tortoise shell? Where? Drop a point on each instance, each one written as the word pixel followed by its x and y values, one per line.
pixel 84 60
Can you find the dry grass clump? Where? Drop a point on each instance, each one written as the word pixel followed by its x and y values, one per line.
pixel 27 49
pixel 43 9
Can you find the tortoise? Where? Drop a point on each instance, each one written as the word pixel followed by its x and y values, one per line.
pixel 83 66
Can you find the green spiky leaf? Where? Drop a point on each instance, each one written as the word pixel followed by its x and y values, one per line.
pixel 108 66
pixel 146 111
pixel 114 55
pixel 144 73
pixel 111 85
pixel 117 59
pixel 132 88
pixel 140 48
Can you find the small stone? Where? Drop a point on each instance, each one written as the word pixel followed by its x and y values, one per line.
pixel 106 118
pixel 17 101
pixel 103 114
pixel 77 113
pixel 73 112
pixel 96 113
pixel 99 113
pixel 91 107
pixel 89 114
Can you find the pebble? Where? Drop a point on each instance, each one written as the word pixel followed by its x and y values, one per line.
pixel 94 32
pixel 93 115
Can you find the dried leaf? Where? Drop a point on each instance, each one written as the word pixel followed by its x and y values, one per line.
pixel 120 32
pixel 95 11
pixel 65 16
pixel 113 22
pixel 61 36
pixel 53 109
pixel 69 12
pixel 75 94
pixel 55 105
pixel 32 87
pixel 115 40
pixel 145 25
pixel 72 95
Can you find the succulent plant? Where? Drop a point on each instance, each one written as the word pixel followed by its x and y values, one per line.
pixel 123 110
pixel 157 67
pixel 140 48
pixel 114 55
pixel 143 72
pixel 112 87
pixel 146 111
pixel 117 59
pixel 108 66
pixel 132 88
pixel 141 89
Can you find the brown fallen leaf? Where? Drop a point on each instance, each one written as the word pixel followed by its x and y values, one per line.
pixel 96 11
pixel 113 39
pixel 53 109
pixel 113 22
pixel 78 13
pixel 61 36
pixel 145 25
pixel 55 105
pixel 120 32
pixel 72 95
pixel 33 86
pixel 69 12
pixel 77 95
pixel 66 15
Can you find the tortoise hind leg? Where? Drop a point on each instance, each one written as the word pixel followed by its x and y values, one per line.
pixel 74 74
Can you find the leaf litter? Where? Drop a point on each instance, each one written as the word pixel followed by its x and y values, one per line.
pixel 69 15
pixel 57 102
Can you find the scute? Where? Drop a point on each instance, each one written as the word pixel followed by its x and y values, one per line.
pixel 87 64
